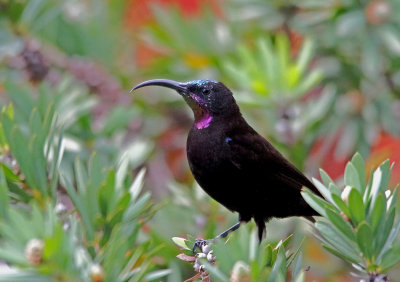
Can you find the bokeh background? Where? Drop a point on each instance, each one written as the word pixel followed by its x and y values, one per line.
pixel 319 79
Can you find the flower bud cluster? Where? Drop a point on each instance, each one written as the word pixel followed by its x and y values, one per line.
pixel 206 253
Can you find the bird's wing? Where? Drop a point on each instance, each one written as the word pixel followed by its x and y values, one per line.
pixel 256 157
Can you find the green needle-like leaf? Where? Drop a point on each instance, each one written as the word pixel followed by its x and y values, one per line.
pixel 328 182
pixel 315 202
pixel 181 242
pixel 323 190
pixel 365 239
pixel 4 199
pixel 359 164
pixel 356 207
pixel 338 241
pixel 377 212
pixel 351 177
pixel 390 258
pixel 341 255
pixel 343 226
pixel 278 272
pixel 341 204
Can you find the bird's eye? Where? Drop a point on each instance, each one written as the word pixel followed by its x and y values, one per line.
pixel 206 91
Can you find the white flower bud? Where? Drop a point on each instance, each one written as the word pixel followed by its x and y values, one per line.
pixel 205 248
pixel 34 251
pixel 60 208
pixel 196 266
pixel 202 268
pixel 240 272
pixel 97 273
pixel 345 194
pixel 210 256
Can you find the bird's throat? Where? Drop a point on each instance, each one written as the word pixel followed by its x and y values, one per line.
pixel 204 121
pixel 202 118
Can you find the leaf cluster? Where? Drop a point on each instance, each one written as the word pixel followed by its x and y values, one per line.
pixel 359 224
pixel 247 260
pixel 86 220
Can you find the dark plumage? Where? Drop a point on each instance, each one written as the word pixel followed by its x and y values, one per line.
pixel 233 163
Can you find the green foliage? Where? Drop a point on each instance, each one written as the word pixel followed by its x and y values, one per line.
pixel 103 228
pixel 247 260
pixel 176 33
pixel 34 144
pixel 267 261
pixel 62 22
pixel 359 224
pixel 301 70
pixel 193 45
pixel 349 23
pixel 271 70
pixel 56 258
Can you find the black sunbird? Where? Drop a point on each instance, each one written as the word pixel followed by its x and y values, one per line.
pixel 233 163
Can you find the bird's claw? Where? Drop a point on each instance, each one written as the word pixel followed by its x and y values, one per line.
pixel 199 243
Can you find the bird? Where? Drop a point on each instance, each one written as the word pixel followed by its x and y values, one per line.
pixel 234 164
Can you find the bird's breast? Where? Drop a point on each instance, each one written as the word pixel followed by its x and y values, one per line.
pixel 205 150
pixel 210 162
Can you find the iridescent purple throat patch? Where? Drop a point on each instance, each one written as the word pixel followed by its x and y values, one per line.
pixel 204 122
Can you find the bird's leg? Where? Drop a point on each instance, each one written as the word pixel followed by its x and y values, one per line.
pixel 199 243
pixel 261 229
pixel 229 230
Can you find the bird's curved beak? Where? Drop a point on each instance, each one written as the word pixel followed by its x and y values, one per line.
pixel 178 86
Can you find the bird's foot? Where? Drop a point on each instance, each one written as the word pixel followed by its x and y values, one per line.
pixel 201 244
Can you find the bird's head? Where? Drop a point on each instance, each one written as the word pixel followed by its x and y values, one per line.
pixel 207 98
